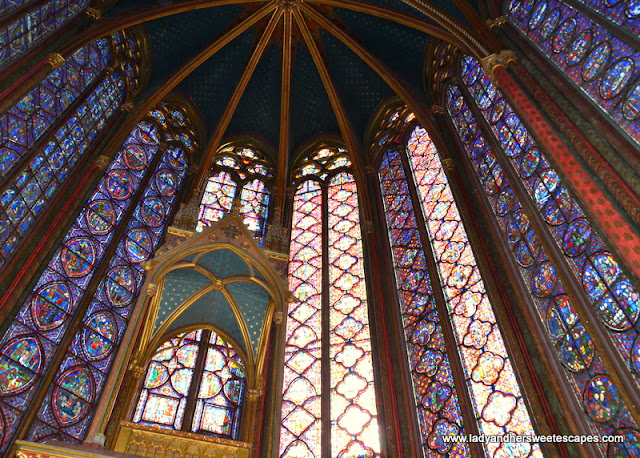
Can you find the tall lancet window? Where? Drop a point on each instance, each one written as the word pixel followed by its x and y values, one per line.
pixel 242 173
pixel 464 309
pixel 31 26
pixel 329 403
pixel 45 136
pixel 68 330
pixel 605 66
pixel 521 187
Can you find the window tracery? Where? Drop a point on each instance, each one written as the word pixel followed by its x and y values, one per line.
pixel 326 275
pixel 199 369
pixel 605 67
pixel 241 173
pixel 118 228
pixel 48 131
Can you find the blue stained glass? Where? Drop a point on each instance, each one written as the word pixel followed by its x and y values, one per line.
pixel 44 319
pixel 605 67
pixel 43 176
pixel 435 396
pixel 596 269
pixel 572 343
pixel 35 26
pixel 73 265
pixel 621 12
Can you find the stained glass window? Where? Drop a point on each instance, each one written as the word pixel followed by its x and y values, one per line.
pixel 330 207
pixel 436 397
pixel 45 134
pixel 490 379
pixel 199 365
pixel 582 363
pixel 35 26
pixel 241 173
pixel 137 193
pixel 607 287
pixel 605 67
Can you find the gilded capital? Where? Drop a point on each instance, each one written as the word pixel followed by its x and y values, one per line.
pixel 94 14
pixel 152 289
pixel 56 60
pixel 102 162
pixel 497 22
pixel 493 61
pixel 448 164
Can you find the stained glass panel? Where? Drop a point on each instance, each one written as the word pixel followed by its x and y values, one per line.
pixel 436 397
pixel 35 26
pixel 97 340
pixel 166 385
pixel 301 407
pixel 621 12
pixel 254 206
pixel 354 421
pixel 30 118
pixel 606 68
pixel 217 199
pixel 615 300
pixel 49 309
pixel 494 389
pixel 221 391
pixel 242 173
pixel 27 196
pixel 573 344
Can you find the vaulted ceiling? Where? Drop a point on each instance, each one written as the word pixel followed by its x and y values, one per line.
pixel 281 70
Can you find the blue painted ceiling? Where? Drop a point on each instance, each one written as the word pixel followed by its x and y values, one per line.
pixel 176 38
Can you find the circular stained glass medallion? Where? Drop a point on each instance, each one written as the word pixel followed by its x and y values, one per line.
pixel 147 134
pixel 633 8
pixel 176 158
pixel 119 184
pixel 100 216
pixel 576 349
pixel 544 279
pixel 579 47
pixel 71 396
pixel 620 310
pixel 77 257
pixel 631 106
pixel 152 211
pixel 120 286
pixel 99 336
pixel 635 355
pixel 138 245
pixel 504 202
pixel 49 304
pixel 601 398
pixel 157 375
pixel 550 24
pixel 135 156
pixel 596 62
pixel 524 255
pixel 616 78
pixel 564 35
pixel 498 110
pixel 538 15
pixel 166 182
pixel 22 361
pixel 529 162
pixel 576 237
